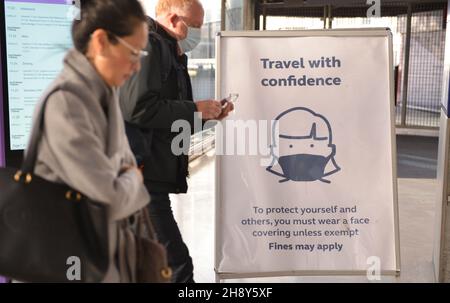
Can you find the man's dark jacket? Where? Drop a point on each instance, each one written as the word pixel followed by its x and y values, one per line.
pixel 162 94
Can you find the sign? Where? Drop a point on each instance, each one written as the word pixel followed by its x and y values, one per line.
pixel 319 194
pixel 37 35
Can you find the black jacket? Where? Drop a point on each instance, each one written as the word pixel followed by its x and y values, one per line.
pixel 163 94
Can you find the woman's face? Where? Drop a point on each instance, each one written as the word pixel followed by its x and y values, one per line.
pixel 117 62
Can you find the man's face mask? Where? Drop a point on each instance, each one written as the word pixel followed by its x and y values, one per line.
pixel 193 38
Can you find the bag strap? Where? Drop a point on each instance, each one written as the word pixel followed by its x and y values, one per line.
pixel 144 223
pixel 149 224
pixel 30 157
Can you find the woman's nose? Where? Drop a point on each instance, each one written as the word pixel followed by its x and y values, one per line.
pixel 138 66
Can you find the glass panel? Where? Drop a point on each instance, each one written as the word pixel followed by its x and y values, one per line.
pixel 235 15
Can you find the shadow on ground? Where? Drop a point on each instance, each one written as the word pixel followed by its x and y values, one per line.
pixel 417 157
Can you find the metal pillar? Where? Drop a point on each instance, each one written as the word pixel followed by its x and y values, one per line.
pixel 441 253
pixel 223 15
pixel 249 13
pixel 264 15
pixel 327 16
pixel 442 233
pixel 406 69
pixel 330 17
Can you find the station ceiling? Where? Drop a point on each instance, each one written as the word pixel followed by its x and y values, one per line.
pixel 344 8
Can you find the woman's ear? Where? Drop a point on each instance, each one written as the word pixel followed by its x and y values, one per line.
pixel 100 42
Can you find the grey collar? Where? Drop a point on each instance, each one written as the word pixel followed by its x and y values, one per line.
pixel 78 63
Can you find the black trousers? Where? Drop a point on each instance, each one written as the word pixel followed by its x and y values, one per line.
pixel 169 235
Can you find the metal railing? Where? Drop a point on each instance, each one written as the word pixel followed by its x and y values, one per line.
pixel 201 143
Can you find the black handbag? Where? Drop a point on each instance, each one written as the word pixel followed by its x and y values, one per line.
pixel 48 231
pixel 151 264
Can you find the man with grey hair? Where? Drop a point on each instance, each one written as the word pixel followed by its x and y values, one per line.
pixel 152 100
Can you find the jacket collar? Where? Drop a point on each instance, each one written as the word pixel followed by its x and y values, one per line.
pixel 154 26
pixel 77 63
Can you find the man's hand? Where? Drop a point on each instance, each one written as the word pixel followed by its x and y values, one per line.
pixel 210 109
pixel 229 107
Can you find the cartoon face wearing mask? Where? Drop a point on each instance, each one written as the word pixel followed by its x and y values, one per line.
pixel 304 151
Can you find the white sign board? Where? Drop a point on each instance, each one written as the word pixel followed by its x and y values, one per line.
pixel 320 193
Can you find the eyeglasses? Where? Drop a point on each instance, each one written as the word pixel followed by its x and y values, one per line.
pixel 136 55
pixel 187 25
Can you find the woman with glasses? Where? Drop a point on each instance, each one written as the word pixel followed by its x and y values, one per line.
pixel 84 144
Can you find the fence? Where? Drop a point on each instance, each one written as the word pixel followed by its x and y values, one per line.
pixel 419 46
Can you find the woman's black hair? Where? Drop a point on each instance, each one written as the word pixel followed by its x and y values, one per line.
pixel 117 17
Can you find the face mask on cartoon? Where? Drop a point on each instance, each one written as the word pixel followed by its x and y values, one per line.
pixel 192 39
pixel 303 150
pixel 303 167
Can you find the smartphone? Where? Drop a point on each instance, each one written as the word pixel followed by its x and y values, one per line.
pixel 231 98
